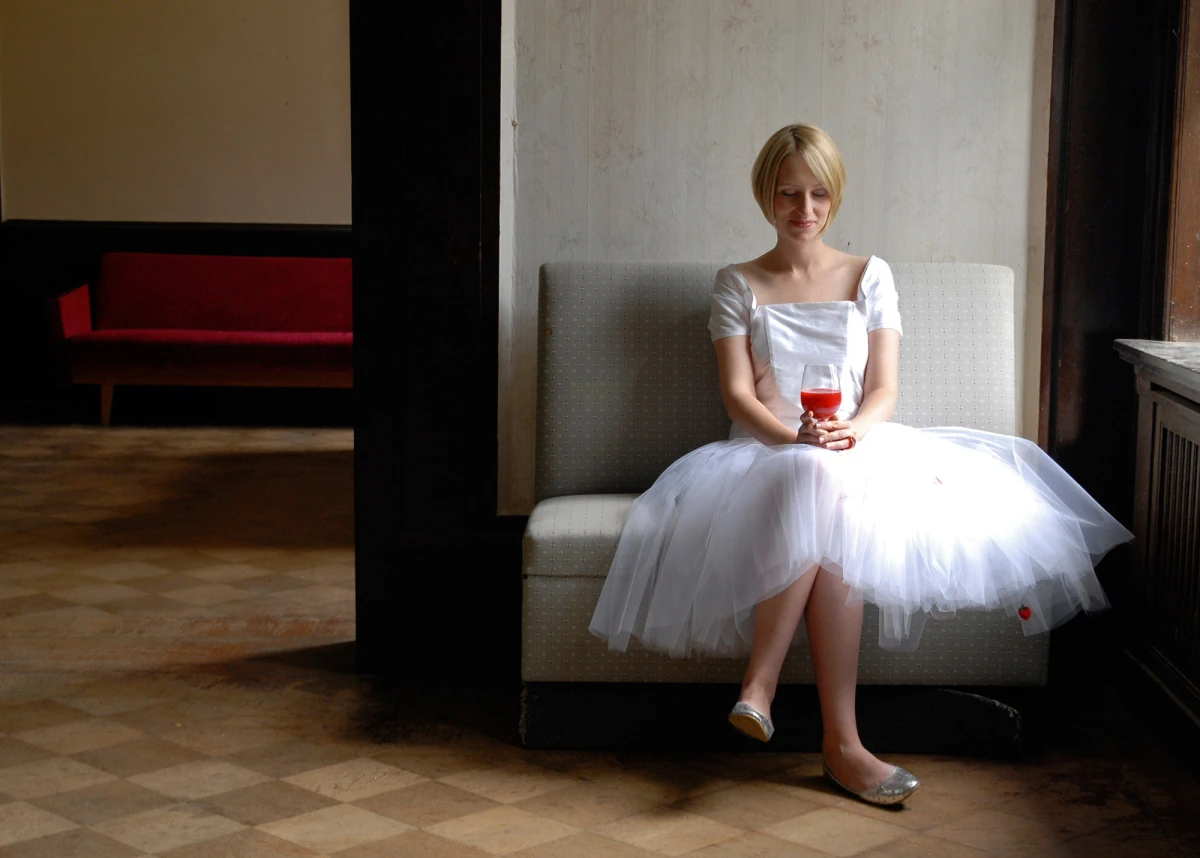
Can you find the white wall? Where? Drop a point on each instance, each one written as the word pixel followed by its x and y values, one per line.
pixel 175 110
pixel 638 121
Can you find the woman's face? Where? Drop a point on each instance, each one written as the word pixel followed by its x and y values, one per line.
pixel 801 201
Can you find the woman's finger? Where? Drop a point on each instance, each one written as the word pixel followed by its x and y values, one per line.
pixel 809 434
pixel 843 439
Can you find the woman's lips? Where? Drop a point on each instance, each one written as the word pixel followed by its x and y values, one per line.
pixel 803 224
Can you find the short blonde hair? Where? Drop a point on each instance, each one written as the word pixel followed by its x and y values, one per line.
pixel 819 152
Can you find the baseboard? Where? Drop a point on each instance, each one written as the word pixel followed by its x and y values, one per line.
pixel 1000 722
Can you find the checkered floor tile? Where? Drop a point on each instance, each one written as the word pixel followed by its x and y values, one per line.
pixel 157 584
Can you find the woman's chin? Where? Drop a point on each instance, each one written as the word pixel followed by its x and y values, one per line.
pixel 799 236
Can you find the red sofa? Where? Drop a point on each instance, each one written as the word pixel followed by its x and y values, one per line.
pixel 176 319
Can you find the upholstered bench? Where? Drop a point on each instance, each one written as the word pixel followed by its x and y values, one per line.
pixel 627 383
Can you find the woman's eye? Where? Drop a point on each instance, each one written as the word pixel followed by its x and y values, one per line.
pixel 788 193
pixel 819 194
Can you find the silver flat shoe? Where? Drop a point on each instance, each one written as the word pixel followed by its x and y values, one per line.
pixel 894 789
pixel 750 721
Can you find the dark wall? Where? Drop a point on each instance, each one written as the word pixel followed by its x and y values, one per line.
pixel 438 577
pixel 1111 114
pixel 40 259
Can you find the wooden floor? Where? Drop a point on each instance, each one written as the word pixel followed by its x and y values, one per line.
pixel 176 627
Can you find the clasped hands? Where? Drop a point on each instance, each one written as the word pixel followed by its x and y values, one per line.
pixel 830 434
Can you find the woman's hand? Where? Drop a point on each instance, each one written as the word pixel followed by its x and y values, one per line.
pixel 809 433
pixel 829 434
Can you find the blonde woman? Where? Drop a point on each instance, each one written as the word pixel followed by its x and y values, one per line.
pixel 803 517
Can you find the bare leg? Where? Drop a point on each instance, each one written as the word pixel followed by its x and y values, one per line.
pixel 834 632
pixel 775 622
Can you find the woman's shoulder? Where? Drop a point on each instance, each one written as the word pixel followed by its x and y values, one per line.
pixel 740 270
pixel 731 277
pixel 876 275
pixel 732 304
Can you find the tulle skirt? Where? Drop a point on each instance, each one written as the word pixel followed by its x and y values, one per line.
pixel 921 522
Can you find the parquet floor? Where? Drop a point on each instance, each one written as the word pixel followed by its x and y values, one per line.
pixel 176 619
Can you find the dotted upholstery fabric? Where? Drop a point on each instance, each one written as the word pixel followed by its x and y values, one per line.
pixel 958 354
pixel 627 383
pixel 575 536
pixel 627 377
pixel 972 648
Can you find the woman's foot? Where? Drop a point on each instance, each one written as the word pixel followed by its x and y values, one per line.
pixel 752 713
pixel 856 768
pixel 756 698
pixel 751 722
pixel 895 788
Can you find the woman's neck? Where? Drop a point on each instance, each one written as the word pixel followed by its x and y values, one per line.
pixel 797 258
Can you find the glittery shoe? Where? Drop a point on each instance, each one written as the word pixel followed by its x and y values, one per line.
pixel 750 721
pixel 894 789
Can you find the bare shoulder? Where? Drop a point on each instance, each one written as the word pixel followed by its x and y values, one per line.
pixel 849 261
pixel 753 270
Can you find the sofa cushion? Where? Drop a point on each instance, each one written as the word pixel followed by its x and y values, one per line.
pixel 167 350
pixel 223 293
pixel 575 536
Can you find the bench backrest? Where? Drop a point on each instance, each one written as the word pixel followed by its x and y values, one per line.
pixel 627 375
pixel 222 293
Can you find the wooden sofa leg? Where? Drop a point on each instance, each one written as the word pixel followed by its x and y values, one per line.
pixel 106 396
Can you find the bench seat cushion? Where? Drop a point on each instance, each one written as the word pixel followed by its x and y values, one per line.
pixel 575 536
pixel 569 544
pixel 138 352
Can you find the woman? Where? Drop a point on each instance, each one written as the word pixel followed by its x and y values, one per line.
pixel 795 517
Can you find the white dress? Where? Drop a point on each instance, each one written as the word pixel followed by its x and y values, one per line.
pixel 920 522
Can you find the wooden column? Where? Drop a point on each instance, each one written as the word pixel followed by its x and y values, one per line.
pixel 438 574
pixel 1109 129
pixel 1181 320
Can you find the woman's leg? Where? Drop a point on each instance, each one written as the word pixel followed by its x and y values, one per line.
pixel 775 622
pixel 834 632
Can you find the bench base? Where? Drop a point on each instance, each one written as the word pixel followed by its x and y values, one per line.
pixel 671 716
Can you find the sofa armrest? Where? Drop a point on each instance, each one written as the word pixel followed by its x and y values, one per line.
pixel 71 314
pixel 68 315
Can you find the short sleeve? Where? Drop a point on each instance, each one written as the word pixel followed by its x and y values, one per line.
pixel 878 294
pixel 730 311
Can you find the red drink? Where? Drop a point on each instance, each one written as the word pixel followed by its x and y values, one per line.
pixel 823 402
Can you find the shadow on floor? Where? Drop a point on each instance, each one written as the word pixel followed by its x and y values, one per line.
pixel 302 500
pixel 384 710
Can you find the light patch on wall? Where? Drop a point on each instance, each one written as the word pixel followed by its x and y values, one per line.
pixel 190 110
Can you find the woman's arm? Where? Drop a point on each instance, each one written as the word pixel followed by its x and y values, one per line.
pixel 737 391
pixel 881 383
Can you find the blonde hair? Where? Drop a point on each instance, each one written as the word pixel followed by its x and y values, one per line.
pixel 819 152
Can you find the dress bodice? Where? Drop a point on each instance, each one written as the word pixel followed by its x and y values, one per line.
pixel 784 338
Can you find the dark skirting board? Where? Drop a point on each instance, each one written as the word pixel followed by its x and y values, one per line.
pixel 989 722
